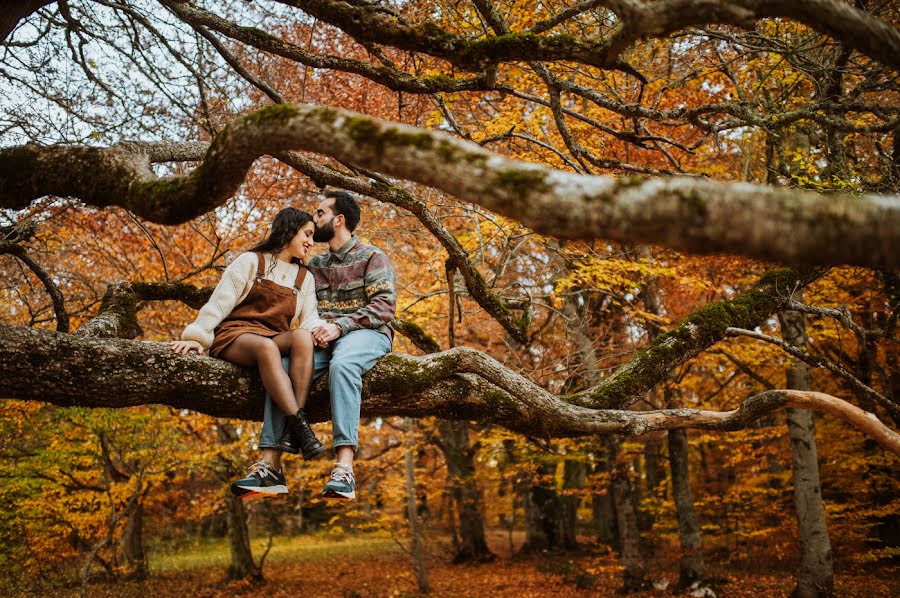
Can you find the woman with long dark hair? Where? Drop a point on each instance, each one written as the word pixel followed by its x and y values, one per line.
pixel 263 308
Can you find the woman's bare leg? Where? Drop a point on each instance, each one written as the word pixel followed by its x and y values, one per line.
pixel 299 345
pixel 252 349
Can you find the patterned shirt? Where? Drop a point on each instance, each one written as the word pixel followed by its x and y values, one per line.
pixel 355 287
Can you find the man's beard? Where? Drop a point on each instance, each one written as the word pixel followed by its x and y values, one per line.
pixel 324 233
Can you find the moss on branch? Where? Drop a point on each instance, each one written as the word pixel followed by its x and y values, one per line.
pixel 697 332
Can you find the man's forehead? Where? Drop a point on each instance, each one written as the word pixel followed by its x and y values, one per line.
pixel 326 204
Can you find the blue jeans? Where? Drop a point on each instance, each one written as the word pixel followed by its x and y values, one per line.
pixel 346 360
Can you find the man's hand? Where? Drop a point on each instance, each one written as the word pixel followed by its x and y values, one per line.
pixel 325 333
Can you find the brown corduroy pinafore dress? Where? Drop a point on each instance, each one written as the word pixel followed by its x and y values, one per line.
pixel 267 310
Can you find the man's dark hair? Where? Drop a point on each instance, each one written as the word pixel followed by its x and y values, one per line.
pixel 345 204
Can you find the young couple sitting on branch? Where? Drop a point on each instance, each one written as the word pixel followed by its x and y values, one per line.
pixel 295 321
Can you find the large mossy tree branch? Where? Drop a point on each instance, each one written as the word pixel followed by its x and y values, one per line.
pixel 685 213
pixel 73 370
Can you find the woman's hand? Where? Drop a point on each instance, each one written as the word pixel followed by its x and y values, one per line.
pixel 325 333
pixel 182 347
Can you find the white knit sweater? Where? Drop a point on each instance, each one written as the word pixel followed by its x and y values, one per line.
pixel 237 280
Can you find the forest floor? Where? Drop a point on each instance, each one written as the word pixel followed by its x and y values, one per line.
pixel 364 565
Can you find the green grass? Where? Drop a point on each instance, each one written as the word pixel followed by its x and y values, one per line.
pixel 215 553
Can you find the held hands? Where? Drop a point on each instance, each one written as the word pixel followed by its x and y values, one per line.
pixel 182 347
pixel 325 333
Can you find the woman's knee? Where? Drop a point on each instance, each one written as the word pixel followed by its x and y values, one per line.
pixel 268 350
pixel 301 339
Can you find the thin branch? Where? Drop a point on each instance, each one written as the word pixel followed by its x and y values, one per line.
pixel 59 306
pixel 821 362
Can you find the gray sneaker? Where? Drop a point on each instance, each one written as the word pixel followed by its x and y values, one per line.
pixel 342 484
pixel 262 480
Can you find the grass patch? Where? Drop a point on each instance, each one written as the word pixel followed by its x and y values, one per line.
pixel 215 553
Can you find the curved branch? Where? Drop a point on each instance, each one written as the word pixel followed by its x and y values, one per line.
pixel 117 316
pixel 821 362
pixel 853 27
pixel 59 304
pixel 238 67
pixel 565 15
pixel 763 404
pixel 685 213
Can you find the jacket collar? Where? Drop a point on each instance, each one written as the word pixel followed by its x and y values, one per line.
pixel 341 254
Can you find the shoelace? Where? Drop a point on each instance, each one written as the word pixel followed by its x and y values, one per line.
pixel 262 469
pixel 342 473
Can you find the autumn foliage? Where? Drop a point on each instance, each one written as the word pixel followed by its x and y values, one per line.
pixel 76 482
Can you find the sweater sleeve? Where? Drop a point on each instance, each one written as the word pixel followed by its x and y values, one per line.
pixel 308 313
pixel 231 290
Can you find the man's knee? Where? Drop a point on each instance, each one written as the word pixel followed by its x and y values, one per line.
pixel 340 368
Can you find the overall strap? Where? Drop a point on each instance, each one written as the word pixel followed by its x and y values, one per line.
pixel 301 276
pixel 261 267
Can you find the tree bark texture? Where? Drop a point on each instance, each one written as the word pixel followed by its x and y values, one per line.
pixel 242 565
pixel 815 577
pixel 603 509
pixel 855 27
pixel 574 470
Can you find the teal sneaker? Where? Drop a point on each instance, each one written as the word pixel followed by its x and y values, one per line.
pixel 262 480
pixel 342 484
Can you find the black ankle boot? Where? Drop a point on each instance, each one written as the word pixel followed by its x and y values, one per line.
pixel 299 437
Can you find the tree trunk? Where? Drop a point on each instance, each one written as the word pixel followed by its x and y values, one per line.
pixel 132 543
pixel 605 520
pixel 242 564
pixel 542 511
pixel 417 551
pixel 573 483
pixel 635 576
pixel 656 471
pixel 816 575
pixel 691 567
pixel 466 494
